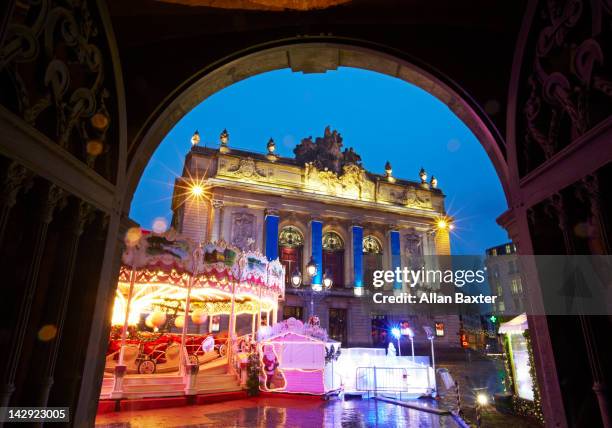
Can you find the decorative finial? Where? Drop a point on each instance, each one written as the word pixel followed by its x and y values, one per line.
pixel 224 139
pixel 423 175
pixel 271 148
pixel 195 138
pixel 434 182
pixel 389 172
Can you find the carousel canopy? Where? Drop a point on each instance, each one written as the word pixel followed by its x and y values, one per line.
pixel 163 266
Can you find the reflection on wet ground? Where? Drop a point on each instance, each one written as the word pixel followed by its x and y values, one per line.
pixel 280 412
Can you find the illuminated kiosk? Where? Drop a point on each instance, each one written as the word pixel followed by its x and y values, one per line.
pixel 298 358
pixel 168 288
pixel 519 360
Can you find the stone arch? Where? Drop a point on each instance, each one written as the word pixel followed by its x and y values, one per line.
pixel 307 56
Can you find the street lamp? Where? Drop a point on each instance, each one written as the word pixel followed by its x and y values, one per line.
pixel 411 336
pixel 397 334
pixel 296 278
pixel 482 399
pixel 430 335
pixel 327 280
pixel 311 268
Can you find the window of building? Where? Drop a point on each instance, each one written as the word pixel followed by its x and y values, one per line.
pixel 515 286
pixel 372 258
pixel 296 312
pixel 337 325
pixel 508 249
pixel 494 252
pixel 501 307
pixel 511 267
pixel 333 257
pixel 290 245
pixel 439 329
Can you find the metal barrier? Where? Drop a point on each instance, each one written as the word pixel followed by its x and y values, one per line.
pixel 393 379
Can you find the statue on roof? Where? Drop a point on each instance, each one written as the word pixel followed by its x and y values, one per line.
pixel 325 153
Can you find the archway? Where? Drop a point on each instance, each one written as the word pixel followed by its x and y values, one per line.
pixel 311 57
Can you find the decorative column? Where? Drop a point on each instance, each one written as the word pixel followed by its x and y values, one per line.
pixel 396 258
pixel 84 215
pixel 17 178
pixel 316 244
pixel 55 197
pixel 271 237
pixel 357 232
pixel 217 221
pixel 557 209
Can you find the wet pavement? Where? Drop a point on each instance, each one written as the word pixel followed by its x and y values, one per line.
pixel 280 412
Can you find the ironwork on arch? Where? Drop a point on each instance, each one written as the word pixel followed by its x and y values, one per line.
pixel 290 236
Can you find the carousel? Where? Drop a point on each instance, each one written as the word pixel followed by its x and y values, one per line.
pixel 178 301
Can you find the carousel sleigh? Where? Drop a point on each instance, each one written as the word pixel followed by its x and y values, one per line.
pixel 162 355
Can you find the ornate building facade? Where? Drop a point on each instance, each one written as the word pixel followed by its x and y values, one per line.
pixel 323 206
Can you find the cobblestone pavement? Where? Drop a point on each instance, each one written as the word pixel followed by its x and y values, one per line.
pixel 271 412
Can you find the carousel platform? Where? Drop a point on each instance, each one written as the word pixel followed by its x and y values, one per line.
pixel 212 378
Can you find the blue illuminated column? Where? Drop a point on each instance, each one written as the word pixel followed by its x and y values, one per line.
pixel 271 234
pixel 358 255
pixel 316 236
pixel 396 261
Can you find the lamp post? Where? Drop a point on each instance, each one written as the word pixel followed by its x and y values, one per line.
pixel 482 399
pixel 411 336
pixel 397 334
pixel 311 270
pixel 430 335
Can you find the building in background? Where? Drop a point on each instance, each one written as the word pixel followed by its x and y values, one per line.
pixel 505 280
pixel 321 205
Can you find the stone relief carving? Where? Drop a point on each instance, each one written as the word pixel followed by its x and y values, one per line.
pixel 325 153
pixel 244 168
pixel 413 245
pixel 243 230
pixel 353 183
pixel 407 196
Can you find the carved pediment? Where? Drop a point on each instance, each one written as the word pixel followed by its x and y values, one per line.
pixel 410 197
pixel 245 168
pixel 353 183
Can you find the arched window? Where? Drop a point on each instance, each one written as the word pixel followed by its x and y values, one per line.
pixel 372 258
pixel 333 257
pixel 290 244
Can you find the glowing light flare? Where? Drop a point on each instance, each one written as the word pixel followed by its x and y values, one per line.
pixel 444 223
pixel 47 333
pixel 482 399
pixel 132 236
pixel 396 332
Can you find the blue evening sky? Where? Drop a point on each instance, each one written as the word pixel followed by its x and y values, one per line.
pixel 381 117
